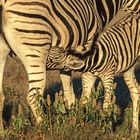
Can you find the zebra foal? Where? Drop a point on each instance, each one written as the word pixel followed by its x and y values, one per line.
pixel 105 11
pixel 115 51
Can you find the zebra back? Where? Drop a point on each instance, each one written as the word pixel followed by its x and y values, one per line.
pixel 116 47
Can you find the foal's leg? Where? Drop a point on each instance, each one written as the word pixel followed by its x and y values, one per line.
pixel 108 79
pixel 132 84
pixel 67 84
pixel 88 81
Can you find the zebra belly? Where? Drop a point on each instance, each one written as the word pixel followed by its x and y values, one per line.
pixel 125 67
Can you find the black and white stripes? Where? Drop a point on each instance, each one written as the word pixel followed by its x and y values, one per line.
pixel 115 51
pixel 32 27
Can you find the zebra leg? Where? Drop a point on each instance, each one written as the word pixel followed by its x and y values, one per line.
pixel 132 84
pixel 67 84
pixel 108 90
pixel 4 51
pixel 28 45
pixel 88 81
pixel 36 71
pixel 34 60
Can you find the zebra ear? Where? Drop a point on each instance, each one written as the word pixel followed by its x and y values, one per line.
pixel 75 64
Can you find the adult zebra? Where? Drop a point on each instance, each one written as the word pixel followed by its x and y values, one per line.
pixel 115 51
pixel 31 27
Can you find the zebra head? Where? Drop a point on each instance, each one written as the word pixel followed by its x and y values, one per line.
pixel 64 59
pixel 72 60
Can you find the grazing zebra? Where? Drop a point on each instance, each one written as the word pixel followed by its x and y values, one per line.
pixel 31 27
pixel 115 51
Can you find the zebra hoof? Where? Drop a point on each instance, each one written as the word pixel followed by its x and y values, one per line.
pixel 84 100
pixel 135 132
pixel 39 120
pixel 106 106
pixel 69 102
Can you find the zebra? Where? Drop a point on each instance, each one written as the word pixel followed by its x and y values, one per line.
pixel 115 51
pixel 30 28
pixel 105 11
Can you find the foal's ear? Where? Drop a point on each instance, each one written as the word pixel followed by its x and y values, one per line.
pixel 74 63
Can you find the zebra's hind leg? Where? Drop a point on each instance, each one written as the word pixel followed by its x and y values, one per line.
pixel 30 39
pixel 67 84
pixel 34 60
pixel 4 51
pixel 36 71
pixel 132 84
pixel 88 81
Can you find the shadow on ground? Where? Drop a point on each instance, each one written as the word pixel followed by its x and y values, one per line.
pixel 121 91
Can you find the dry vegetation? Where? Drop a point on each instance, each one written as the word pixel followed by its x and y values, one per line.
pixel 87 122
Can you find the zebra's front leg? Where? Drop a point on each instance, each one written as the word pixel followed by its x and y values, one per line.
pixel 4 51
pixel 132 84
pixel 67 84
pixel 88 81
pixel 108 90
